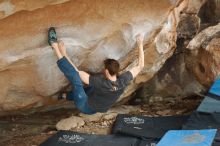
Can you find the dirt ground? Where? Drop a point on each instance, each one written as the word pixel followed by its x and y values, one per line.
pixel 33 129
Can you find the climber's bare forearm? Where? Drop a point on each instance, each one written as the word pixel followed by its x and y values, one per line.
pixel 84 77
pixel 137 69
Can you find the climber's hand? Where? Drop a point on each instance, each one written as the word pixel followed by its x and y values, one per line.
pixel 140 39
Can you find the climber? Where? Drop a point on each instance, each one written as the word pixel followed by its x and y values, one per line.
pixel 103 89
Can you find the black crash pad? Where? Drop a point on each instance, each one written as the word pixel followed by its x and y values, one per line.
pixel 209 105
pixel 70 138
pixel 147 127
pixel 198 121
pixel 216 143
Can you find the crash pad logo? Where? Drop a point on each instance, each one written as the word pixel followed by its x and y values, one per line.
pixel 134 120
pixel 71 139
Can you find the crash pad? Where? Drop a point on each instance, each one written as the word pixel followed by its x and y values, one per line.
pixel 188 138
pixel 70 138
pixel 147 127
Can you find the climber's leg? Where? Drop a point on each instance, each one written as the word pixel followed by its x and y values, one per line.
pixel 79 96
pixel 78 93
pixel 62 49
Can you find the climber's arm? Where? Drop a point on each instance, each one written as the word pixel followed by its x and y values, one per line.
pixel 84 77
pixel 137 69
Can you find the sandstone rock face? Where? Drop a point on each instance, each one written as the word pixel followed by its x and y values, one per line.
pixel 10 7
pixel 173 80
pixel 204 58
pixel 190 71
pixel 92 31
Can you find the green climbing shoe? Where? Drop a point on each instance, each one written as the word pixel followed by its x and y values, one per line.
pixel 52 36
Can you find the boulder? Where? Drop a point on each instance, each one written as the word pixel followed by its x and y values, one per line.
pixel 110 114
pixel 173 79
pixel 204 57
pixel 69 123
pixel 92 31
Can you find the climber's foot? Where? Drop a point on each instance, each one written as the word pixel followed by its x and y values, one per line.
pixel 52 37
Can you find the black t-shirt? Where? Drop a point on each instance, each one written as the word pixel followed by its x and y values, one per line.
pixel 106 92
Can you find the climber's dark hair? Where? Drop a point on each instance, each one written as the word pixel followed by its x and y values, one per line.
pixel 112 66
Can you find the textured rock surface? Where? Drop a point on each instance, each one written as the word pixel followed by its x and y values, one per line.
pixel 9 7
pixel 204 58
pixel 69 123
pixel 181 75
pixel 173 80
pixel 92 31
